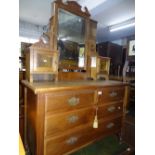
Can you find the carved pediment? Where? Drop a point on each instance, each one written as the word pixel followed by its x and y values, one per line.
pixel 73 5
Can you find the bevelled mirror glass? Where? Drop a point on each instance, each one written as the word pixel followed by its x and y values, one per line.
pixel 71 40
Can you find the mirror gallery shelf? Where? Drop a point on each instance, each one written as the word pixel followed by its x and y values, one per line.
pixel 72 37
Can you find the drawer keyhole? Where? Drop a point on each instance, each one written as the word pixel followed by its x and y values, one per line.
pixel 110 125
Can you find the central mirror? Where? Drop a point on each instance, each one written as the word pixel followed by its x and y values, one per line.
pixel 71 40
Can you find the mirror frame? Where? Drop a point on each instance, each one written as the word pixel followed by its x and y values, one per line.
pixel 75 8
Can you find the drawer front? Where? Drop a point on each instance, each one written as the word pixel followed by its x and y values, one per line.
pixel 108 94
pixel 108 110
pixel 66 143
pixel 108 126
pixel 56 124
pixel 69 100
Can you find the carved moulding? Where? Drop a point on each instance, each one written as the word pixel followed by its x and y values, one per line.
pixel 73 5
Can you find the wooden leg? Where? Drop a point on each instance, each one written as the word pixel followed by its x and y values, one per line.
pixel 119 136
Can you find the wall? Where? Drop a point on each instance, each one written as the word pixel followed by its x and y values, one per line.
pixel 29 30
pixel 123 41
pixel 104 35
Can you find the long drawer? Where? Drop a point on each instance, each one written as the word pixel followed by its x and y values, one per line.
pixel 57 123
pixel 108 94
pixel 69 100
pixel 65 143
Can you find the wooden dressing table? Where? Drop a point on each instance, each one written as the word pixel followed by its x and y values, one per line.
pixel 69 112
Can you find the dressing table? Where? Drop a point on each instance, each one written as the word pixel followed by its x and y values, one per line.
pixel 64 109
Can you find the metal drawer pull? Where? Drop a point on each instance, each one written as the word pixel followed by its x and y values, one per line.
pixel 113 94
pixel 73 101
pixel 110 125
pixel 111 109
pixel 72 119
pixel 71 140
pixel 119 107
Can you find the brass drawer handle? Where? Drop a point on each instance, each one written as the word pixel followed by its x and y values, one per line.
pixel 113 94
pixel 111 109
pixel 72 140
pixel 72 119
pixel 119 108
pixel 110 125
pixel 73 101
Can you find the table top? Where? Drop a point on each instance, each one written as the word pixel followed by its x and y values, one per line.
pixel 40 87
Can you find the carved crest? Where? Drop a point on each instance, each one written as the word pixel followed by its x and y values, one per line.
pixel 73 5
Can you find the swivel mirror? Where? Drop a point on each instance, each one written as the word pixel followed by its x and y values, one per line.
pixel 71 40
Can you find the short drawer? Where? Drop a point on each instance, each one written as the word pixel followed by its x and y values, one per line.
pixel 108 94
pixel 109 126
pixel 114 109
pixel 56 124
pixel 69 100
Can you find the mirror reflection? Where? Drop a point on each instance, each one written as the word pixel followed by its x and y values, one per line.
pixel 71 39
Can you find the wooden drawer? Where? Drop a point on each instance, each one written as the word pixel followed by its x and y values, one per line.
pixel 108 126
pixel 108 94
pixel 68 100
pixel 66 143
pixel 55 124
pixel 114 109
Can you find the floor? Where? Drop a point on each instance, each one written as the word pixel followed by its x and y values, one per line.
pixel 108 146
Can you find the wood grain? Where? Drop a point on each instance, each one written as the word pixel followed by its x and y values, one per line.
pixel 63 118
pixel 60 100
